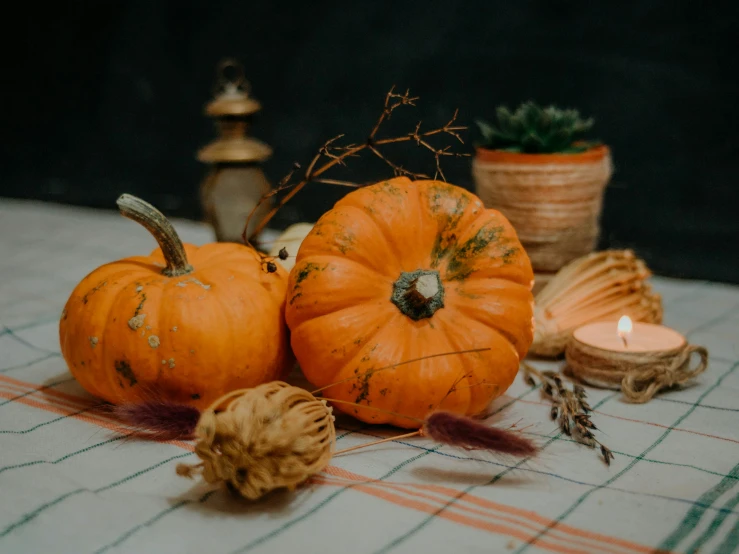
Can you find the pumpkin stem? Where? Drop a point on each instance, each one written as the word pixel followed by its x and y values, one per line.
pixel 418 294
pixel 161 229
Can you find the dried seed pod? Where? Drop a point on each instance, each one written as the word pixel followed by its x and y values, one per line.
pixel 607 454
pixel 260 439
pixel 564 425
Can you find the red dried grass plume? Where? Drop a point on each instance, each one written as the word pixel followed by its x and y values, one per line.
pixel 160 420
pixel 463 432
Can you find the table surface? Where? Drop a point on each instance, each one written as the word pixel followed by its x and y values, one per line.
pixel 72 482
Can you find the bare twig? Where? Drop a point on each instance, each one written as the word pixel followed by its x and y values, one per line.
pixel 400 100
pixel 332 154
pixel 338 182
pixel 397 169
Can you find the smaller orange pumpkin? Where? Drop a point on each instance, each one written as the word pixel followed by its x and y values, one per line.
pixel 184 324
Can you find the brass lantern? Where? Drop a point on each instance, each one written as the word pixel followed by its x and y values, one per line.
pixel 235 182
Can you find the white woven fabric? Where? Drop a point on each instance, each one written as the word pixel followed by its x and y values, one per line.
pixel 70 482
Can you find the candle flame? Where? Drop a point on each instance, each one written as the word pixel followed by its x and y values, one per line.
pixel 624 326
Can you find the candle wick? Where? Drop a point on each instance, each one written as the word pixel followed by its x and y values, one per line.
pixel 623 338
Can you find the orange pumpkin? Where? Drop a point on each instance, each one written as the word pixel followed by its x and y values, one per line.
pixel 401 270
pixel 184 324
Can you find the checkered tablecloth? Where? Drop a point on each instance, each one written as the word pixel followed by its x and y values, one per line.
pixel 71 481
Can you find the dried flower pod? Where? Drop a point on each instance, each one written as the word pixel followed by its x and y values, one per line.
pixel 601 286
pixel 269 437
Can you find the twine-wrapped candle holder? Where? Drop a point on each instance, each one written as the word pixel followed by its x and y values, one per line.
pixel 660 360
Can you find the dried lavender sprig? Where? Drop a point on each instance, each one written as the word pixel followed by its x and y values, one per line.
pixel 569 407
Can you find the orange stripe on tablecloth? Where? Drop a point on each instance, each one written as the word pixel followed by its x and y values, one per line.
pixel 491 527
pixel 16 383
pixel 95 420
pixel 560 535
pixel 77 402
pixel 482 502
pixel 92 408
pixel 44 388
pixel 65 410
pixel 107 424
pixel 643 422
pixel 41 394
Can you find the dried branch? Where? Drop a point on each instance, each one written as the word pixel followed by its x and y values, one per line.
pixel 332 155
pixel 337 182
pixel 569 408
pixel 397 169
pixel 402 100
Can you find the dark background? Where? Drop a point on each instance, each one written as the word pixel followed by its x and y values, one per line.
pixel 107 97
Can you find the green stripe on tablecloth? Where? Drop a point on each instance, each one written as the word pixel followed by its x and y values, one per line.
pixel 34 513
pixel 45 423
pixel 31 515
pixel 24 342
pixel 125 536
pixel 636 460
pixel 324 502
pixel 731 542
pixel 718 520
pixel 153 520
pixel 702 405
pixel 32 362
pixel 30 325
pixel 63 458
pixel 643 459
pixel 402 538
pixel 694 515
pixel 575 481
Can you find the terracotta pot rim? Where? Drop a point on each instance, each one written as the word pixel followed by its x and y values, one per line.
pixel 594 154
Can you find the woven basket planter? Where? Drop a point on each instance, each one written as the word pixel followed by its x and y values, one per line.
pixel 553 201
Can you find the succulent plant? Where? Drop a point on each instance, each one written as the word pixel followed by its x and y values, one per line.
pixel 536 130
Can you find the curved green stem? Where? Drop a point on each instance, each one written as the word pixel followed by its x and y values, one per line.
pixel 161 229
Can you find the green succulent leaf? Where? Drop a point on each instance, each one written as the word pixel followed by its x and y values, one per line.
pixel 486 130
pixel 534 129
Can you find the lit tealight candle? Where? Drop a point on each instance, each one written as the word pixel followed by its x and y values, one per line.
pixel 628 336
pixel 639 358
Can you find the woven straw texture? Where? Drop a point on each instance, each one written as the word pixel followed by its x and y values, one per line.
pixel 554 207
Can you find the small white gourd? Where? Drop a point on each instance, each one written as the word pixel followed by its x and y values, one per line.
pixel 290 239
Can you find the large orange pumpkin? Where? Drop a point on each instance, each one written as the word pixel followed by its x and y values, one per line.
pixel 401 270
pixel 184 324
